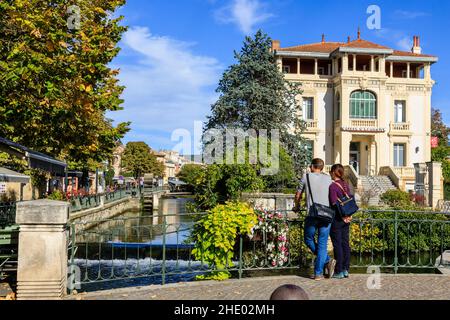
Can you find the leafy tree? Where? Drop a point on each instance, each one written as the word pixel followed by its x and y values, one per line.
pixel 255 95
pixel 441 154
pixel 189 173
pixel 109 175
pixel 217 184
pixel 139 159
pixel 285 178
pixel 55 82
pixel 439 128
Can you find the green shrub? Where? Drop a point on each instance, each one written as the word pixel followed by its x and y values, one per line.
pixel 215 236
pixel 416 231
pixel 447 191
pixel 57 195
pixel 397 199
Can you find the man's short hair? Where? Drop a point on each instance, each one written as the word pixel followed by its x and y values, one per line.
pixel 318 164
pixel 289 292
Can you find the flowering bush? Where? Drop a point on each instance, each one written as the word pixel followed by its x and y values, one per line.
pixel 273 230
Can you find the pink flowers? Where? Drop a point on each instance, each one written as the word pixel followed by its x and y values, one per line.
pixel 275 229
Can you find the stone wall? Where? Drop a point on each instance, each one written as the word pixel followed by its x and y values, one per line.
pixel 270 201
pixel 107 211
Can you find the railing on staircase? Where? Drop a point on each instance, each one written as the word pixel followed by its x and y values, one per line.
pixel 388 171
pixel 353 176
pixel 399 175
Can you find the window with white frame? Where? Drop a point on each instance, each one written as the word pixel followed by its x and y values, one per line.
pixel 308 109
pixel 399 155
pixel 400 111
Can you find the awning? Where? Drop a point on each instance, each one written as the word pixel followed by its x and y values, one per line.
pixel 7 175
pixel 35 159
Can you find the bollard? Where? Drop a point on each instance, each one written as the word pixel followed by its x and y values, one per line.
pixel 42 261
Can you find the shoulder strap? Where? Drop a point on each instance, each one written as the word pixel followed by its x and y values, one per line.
pixel 309 188
pixel 342 188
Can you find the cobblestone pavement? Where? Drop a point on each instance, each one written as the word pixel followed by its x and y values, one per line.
pixel 393 287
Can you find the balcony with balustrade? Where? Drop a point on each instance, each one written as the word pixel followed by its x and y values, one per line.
pixel 312 126
pixel 400 128
pixel 359 125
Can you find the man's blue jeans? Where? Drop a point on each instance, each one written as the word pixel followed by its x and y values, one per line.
pixel 319 248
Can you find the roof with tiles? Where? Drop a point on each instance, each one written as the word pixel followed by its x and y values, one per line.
pixel 329 47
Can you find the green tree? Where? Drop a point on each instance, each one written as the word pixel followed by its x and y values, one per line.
pixel 255 95
pixel 138 159
pixel 439 128
pixel 217 184
pixel 190 173
pixel 55 82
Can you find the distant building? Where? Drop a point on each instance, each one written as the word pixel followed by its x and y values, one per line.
pixel 173 162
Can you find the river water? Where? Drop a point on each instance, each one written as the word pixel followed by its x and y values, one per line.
pixel 129 248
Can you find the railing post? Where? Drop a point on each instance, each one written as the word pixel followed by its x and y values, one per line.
pixel 396 243
pixel 240 255
pixel 163 266
pixel 42 261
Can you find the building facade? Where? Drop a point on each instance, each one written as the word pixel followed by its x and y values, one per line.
pixel 365 105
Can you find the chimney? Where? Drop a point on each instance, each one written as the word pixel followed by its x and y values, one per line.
pixel 275 44
pixel 416 45
pixel 323 38
pixel 348 39
pixel 359 33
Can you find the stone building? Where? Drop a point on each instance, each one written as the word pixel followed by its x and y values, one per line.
pixel 365 105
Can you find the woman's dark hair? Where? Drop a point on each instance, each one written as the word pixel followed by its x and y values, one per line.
pixel 338 170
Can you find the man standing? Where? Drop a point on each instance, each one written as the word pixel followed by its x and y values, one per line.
pixel 319 183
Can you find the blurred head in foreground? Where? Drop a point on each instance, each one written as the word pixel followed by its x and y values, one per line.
pixel 289 292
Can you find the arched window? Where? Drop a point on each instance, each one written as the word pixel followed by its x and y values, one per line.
pixel 363 105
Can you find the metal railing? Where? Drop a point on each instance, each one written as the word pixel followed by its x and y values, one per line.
pixel 80 203
pixel 7 214
pixel 9 233
pixel 159 250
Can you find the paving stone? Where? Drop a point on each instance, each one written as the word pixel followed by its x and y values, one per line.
pixel 392 287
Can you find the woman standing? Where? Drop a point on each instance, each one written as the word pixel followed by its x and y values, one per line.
pixel 340 228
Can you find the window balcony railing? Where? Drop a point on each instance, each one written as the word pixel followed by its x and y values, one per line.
pixel 311 125
pixel 400 126
pixel 364 123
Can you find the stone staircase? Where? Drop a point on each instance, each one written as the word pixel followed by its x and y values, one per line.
pixel 372 187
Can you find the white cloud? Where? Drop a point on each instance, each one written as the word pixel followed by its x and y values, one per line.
pixel 410 14
pixel 400 39
pixel 405 43
pixel 246 14
pixel 167 85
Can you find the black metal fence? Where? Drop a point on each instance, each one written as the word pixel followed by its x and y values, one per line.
pixel 141 250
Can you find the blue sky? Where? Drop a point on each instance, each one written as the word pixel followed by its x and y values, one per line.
pixel 175 51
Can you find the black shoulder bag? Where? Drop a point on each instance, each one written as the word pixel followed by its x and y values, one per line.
pixel 346 205
pixel 319 211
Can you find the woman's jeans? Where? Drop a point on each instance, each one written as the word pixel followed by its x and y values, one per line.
pixel 319 248
pixel 340 234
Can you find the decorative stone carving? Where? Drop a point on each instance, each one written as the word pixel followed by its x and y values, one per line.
pixel 363 83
